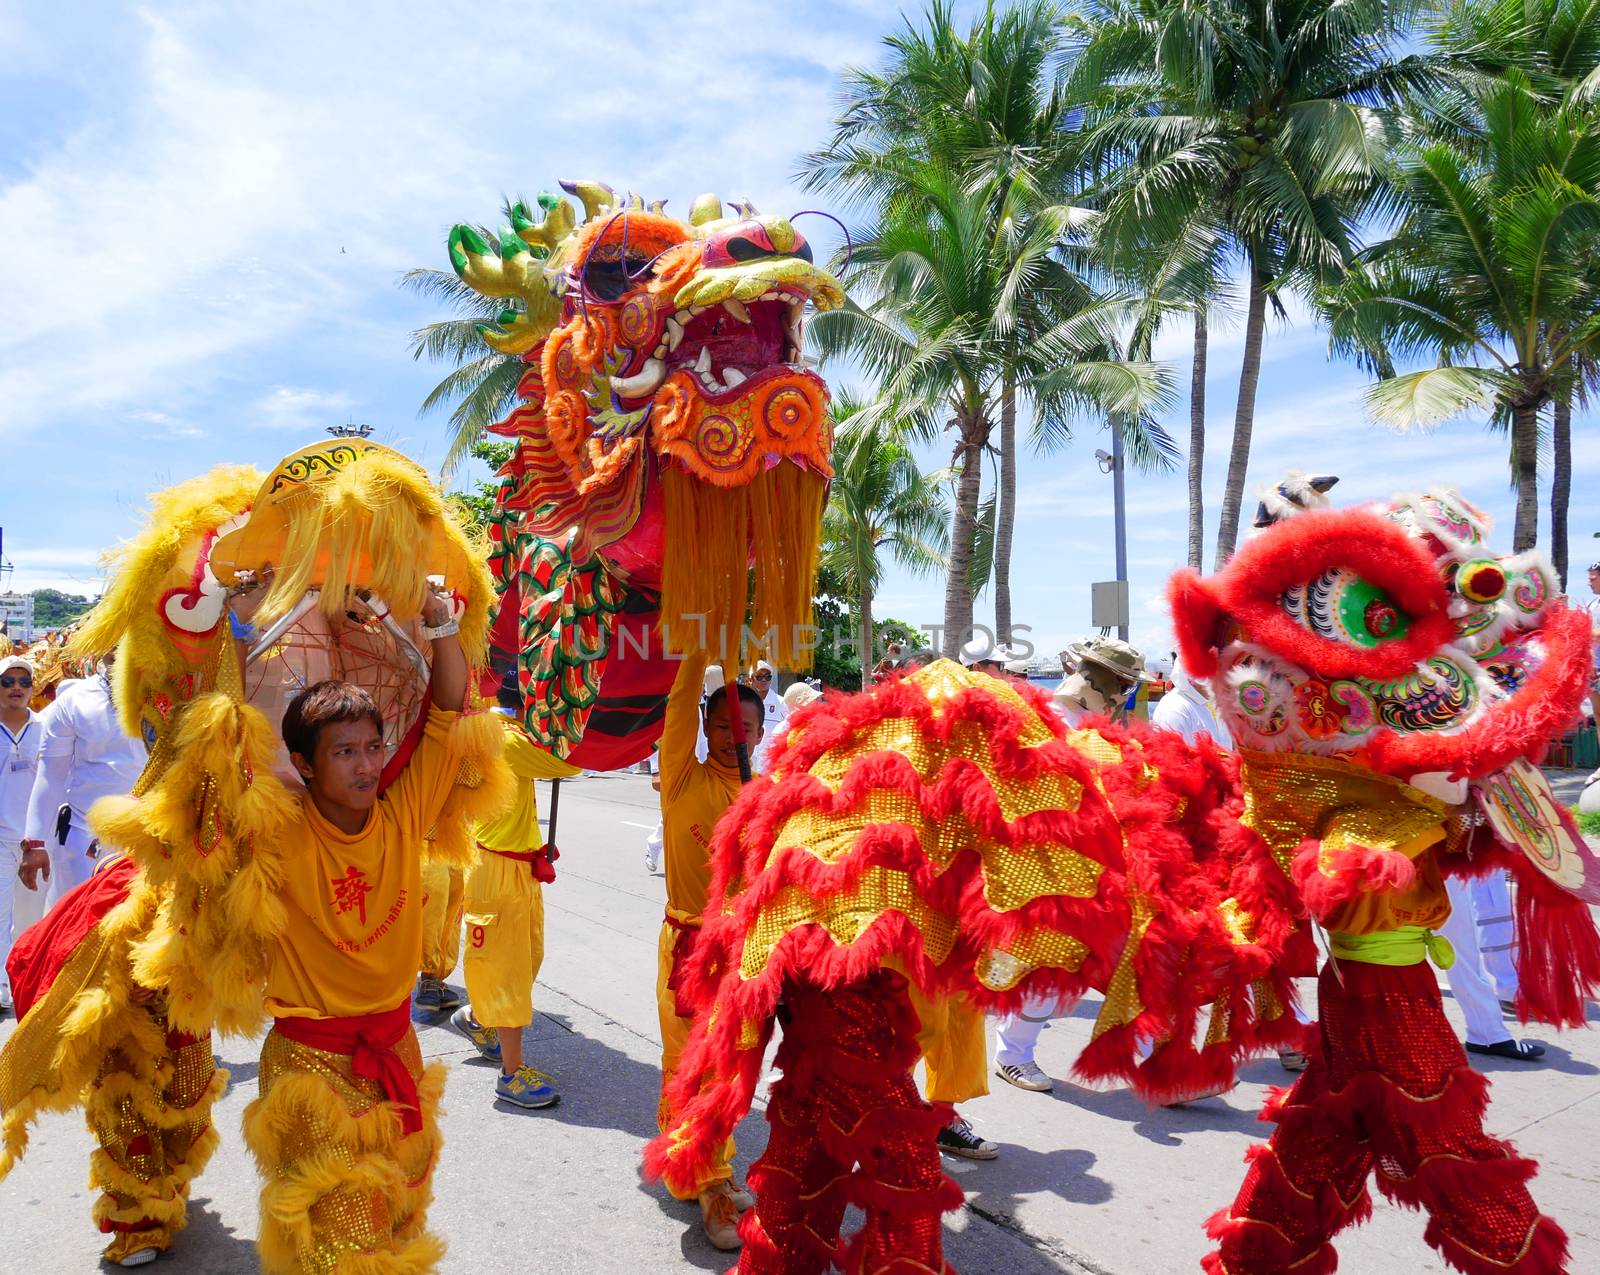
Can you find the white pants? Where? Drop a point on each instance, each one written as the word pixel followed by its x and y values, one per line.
pixel 1480 929
pixel 20 907
pixel 70 864
pixel 1017 1035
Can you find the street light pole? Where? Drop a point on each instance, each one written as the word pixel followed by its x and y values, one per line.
pixel 1120 506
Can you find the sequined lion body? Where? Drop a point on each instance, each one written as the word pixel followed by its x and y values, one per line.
pixel 670 441
pixel 948 832
pixel 170 940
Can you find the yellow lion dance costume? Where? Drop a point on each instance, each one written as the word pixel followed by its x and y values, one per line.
pixel 174 934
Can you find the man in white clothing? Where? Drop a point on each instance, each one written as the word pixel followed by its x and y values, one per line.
pixel 1592 606
pixel 83 757
pixel 20 731
pixel 775 709
pixel 1186 710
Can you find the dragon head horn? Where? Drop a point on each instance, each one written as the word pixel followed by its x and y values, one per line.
pixel 544 236
pixel 597 197
pixel 507 268
pixel 1298 492
pixel 704 210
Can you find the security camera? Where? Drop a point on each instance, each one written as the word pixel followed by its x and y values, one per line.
pixel 1105 459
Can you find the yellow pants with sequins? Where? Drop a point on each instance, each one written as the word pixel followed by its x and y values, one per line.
pixel 150 1113
pixel 346 1192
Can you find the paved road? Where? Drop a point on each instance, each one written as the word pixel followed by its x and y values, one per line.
pixel 1088 1181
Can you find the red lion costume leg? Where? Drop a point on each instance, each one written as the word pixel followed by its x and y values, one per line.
pixel 849 1127
pixel 1391 1091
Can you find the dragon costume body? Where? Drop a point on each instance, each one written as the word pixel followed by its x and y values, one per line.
pixel 670 443
pixel 129 975
pixel 946 831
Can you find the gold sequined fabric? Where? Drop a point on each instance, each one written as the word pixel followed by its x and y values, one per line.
pixel 152 1120
pixel 1292 797
pixel 341 1179
pixel 1014 871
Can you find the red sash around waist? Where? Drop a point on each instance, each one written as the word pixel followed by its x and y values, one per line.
pixel 368 1040
pixel 683 944
pixel 540 862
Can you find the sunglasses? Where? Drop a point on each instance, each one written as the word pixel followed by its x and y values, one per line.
pixel 763 677
pixel 25 682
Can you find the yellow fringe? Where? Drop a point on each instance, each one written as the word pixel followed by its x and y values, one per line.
pixel 362 1158
pixel 717 532
pixel 485 788
pixel 367 526
pixel 162 556
pixel 210 833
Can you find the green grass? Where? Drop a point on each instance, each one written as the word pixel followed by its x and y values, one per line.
pixel 1590 822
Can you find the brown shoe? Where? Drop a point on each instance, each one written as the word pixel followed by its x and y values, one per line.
pixel 743 1198
pixel 719 1217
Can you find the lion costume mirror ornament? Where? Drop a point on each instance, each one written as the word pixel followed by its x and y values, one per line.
pixel 670 439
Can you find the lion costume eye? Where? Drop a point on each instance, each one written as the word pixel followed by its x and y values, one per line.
pixel 610 279
pixel 1343 607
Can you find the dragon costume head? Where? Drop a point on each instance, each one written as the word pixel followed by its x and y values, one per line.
pixel 671 439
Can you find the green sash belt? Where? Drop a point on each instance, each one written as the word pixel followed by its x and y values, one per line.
pixel 1405 945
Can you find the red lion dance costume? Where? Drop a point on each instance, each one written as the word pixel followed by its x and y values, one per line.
pixel 1388 681
pixel 947 831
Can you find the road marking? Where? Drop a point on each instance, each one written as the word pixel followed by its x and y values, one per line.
pixel 629 823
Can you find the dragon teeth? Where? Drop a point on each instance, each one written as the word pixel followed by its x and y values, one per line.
pixel 642 382
pixel 733 378
pixel 703 363
pixel 674 333
pixel 737 309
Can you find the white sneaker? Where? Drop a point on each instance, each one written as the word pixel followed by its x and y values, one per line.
pixel 1026 1075
pixel 652 859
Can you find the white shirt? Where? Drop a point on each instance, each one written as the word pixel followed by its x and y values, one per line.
pixel 19 763
pixel 83 756
pixel 777 712
pixel 1185 711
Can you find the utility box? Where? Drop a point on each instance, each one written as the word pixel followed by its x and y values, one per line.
pixel 1108 600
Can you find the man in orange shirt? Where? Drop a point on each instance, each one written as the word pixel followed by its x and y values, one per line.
pixel 694 795
pixel 345 1127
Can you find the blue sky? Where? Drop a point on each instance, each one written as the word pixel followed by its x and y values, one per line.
pixel 206 209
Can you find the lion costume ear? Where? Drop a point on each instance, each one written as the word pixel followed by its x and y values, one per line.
pixel 1195 618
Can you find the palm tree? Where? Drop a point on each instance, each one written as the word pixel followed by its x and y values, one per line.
pixel 985 104
pixel 879 500
pixel 1251 128
pixel 1490 271
pixel 481 387
pixel 948 308
pixel 1557 45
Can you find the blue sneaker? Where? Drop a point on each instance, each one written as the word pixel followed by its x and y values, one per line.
pixel 484 1039
pixel 526 1088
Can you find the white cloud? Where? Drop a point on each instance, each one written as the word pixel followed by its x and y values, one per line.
pixel 306 411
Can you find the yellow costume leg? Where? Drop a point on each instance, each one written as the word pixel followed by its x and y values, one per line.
pixel 954 1046
pixel 442 891
pixel 150 1111
pixel 346 1193
pixel 674 1036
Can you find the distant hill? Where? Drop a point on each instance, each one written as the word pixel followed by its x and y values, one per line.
pixel 53 609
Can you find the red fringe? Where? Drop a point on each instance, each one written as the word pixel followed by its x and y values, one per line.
pixel 1249 587
pixel 1558 952
pixel 1355 871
